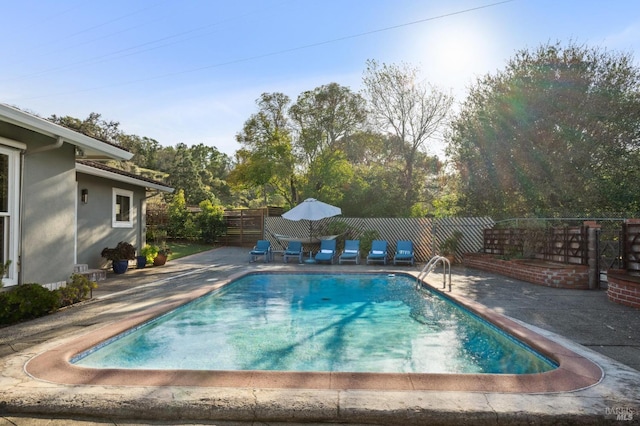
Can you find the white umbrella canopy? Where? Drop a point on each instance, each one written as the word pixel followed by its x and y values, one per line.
pixel 312 209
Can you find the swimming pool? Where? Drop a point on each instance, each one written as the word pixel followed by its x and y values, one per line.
pixel 320 322
pixel 54 365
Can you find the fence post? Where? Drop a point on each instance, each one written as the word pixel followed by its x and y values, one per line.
pixel 593 231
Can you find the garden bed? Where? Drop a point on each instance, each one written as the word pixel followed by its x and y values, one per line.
pixel 540 272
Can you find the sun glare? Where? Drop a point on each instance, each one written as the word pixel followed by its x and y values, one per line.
pixel 452 53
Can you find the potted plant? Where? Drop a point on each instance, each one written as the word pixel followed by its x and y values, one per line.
pixel 162 256
pixel 141 261
pixel 449 246
pixel 149 252
pixel 120 256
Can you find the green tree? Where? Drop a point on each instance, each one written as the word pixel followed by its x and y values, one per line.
pixel 324 119
pixel 184 176
pixel 325 115
pixel 93 126
pixel 373 192
pixel 556 132
pixel 446 202
pixel 266 159
pixel 366 148
pixel 210 221
pixel 145 150
pixel 328 176
pixel 178 215
pixel 200 171
pixel 212 167
pixel 413 112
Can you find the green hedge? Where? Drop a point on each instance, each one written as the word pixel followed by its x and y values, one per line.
pixel 28 301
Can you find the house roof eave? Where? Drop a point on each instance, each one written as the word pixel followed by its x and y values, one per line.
pixel 120 176
pixel 92 148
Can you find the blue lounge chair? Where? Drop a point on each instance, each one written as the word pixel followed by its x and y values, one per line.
pixel 404 253
pixel 378 252
pixel 351 252
pixel 262 248
pixel 327 251
pixel 294 249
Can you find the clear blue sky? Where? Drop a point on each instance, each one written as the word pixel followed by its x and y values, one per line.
pixel 190 70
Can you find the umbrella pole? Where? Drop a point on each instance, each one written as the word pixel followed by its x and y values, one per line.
pixel 310 238
pixel 311 259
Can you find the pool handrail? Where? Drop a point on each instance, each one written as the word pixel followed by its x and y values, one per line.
pixel 431 265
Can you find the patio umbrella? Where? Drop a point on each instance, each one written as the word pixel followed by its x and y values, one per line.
pixel 311 209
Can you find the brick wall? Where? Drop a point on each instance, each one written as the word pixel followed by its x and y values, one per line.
pixel 623 288
pixel 541 273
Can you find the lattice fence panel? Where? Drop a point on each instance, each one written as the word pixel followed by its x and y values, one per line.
pixel 417 230
pixel 471 229
pixel 425 233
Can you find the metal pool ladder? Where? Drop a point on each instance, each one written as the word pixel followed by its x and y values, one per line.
pixel 431 265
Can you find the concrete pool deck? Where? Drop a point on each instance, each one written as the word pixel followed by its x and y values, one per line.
pixel 582 321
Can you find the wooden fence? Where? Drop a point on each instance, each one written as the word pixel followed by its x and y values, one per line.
pixel 246 226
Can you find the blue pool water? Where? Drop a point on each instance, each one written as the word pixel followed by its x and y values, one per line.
pixel 318 322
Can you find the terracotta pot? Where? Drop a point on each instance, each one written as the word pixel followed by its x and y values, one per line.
pixel 160 260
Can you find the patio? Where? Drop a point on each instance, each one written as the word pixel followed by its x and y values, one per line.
pixel 584 321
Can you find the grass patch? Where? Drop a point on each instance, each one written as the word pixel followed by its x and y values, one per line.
pixel 185 248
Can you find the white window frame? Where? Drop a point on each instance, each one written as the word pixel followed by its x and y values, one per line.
pixel 11 218
pixel 115 223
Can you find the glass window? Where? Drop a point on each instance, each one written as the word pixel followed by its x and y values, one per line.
pixel 122 208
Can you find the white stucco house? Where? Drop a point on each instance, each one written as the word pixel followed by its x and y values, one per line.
pixel 59 206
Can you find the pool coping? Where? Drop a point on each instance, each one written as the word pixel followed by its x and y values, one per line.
pixel 574 372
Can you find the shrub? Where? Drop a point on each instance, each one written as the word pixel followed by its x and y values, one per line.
pixel 190 230
pixel 450 245
pixel 366 239
pixel 150 252
pixel 210 221
pixel 206 225
pixel 26 301
pixel 76 290
pixel 341 229
pixel 5 308
pixel 178 215
pixel 337 227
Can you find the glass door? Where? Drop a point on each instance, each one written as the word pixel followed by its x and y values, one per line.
pixel 9 178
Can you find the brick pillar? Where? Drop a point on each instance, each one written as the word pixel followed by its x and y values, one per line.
pixel 593 234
